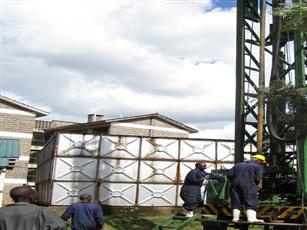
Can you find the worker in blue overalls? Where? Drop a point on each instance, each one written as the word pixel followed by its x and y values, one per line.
pixel 191 190
pixel 246 179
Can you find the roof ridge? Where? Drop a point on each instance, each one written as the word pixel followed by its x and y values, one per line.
pixel 23 105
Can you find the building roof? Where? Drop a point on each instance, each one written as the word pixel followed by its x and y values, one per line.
pixel 38 112
pixel 106 123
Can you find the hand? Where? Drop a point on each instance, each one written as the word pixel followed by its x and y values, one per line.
pixel 207 177
pixel 259 186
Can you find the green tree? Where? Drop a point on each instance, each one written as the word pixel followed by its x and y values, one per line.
pixel 294 15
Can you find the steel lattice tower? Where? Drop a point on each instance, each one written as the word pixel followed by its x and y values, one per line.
pixel 287 161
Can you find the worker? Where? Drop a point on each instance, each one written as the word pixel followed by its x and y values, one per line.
pixel 246 179
pixel 24 214
pixel 85 214
pixel 191 190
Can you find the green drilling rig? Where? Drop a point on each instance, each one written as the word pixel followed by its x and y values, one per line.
pixel 271 105
pixel 270 117
pixel 271 109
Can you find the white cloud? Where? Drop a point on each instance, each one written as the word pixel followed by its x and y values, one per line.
pixel 227 132
pixel 123 57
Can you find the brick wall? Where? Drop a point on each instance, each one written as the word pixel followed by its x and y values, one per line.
pixel 17 126
pixel 16 123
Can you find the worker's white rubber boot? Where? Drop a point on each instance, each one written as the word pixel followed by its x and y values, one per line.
pixel 189 214
pixel 252 216
pixel 236 215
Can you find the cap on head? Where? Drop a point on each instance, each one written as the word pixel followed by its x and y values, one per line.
pixel 259 157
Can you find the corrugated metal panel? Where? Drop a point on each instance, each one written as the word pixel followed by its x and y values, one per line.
pixel 157 195
pixel 47 151
pixel 45 171
pixel 75 169
pixel 44 191
pixel 78 145
pixel 117 194
pixel 197 150
pixel 158 171
pixel 122 147
pixel 66 193
pixel 159 148
pixel 39 188
pixel 118 170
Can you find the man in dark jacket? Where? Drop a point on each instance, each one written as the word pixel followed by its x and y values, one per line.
pixel 246 178
pixel 191 190
pixel 24 215
pixel 85 215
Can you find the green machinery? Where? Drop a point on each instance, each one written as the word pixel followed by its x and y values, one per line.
pixel 265 119
pixel 270 70
pixel 271 110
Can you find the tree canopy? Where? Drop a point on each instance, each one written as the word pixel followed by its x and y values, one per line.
pixel 295 16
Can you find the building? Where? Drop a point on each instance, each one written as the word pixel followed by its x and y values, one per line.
pixel 148 125
pixel 17 121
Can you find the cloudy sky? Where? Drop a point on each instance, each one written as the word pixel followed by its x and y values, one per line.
pixel 123 58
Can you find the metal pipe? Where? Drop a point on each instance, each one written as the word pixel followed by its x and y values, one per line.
pixel 261 76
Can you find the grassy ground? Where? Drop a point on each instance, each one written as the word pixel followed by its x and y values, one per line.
pixel 139 222
pixel 146 223
pixel 125 222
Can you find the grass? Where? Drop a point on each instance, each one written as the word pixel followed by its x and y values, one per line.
pixel 142 222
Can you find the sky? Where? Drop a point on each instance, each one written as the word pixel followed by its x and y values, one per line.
pixel 123 58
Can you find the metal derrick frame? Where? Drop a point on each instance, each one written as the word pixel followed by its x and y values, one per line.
pixel 247 102
pixel 246 113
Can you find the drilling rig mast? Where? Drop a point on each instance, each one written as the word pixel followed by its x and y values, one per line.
pixel 256 129
pixel 270 62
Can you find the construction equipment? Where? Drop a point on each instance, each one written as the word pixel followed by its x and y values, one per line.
pixel 284 144
pixel 267 120
pixel 270 114
pixel 287 166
